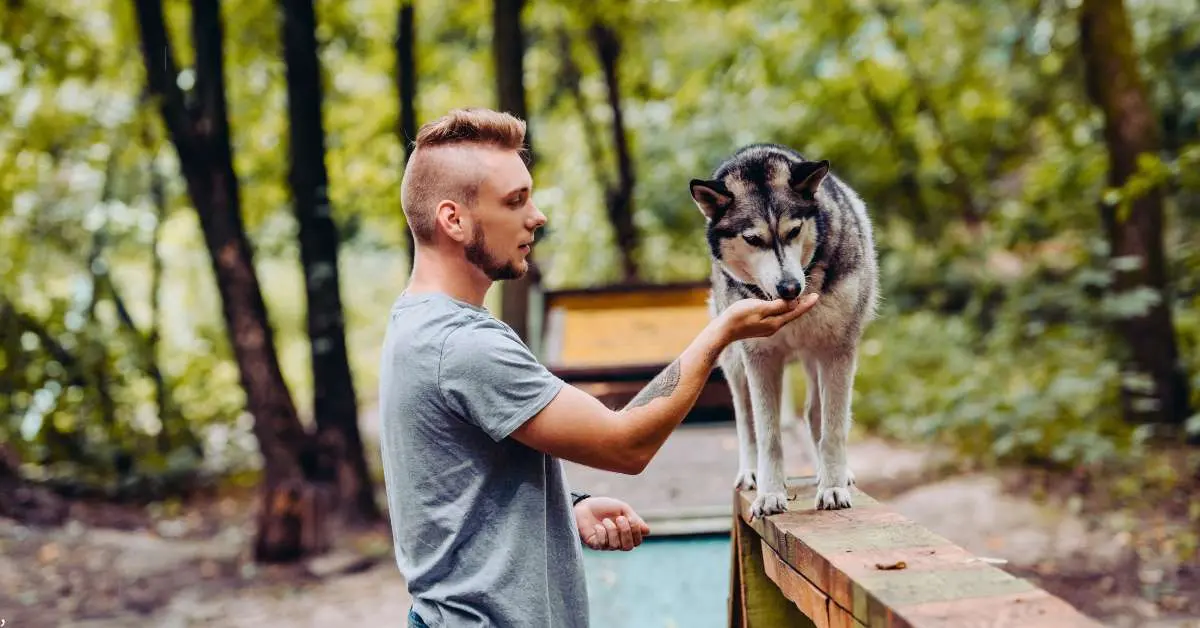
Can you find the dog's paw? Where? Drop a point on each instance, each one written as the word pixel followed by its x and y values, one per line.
pixel 745 480
pixel 767 504
pixel 833 498
pixel 834 475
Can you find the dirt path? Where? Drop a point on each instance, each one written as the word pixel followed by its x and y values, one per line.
pixel 191 568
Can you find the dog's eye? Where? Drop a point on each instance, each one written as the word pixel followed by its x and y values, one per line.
pixel 753 240
pixel 791 235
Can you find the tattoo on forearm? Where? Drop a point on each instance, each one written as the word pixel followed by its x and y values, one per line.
pixel 662 385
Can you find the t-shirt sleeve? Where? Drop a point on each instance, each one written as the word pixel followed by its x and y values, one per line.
pixel 491 379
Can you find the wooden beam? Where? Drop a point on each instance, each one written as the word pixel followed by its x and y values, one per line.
pixel 874 568
pixel 807 597
pixel 756 602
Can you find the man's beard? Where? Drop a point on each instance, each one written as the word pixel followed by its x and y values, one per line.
pixel 477 254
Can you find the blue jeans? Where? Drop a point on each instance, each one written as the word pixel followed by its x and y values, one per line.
pixel 414 620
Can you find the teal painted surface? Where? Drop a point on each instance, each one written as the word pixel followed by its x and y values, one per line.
pixel 664 583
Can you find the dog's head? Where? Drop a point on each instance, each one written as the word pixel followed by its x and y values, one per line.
pixel 763 218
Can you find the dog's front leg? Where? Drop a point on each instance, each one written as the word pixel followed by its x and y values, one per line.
pixel 764 375
pixel 734 366
pixel 833 472
pixel 812 410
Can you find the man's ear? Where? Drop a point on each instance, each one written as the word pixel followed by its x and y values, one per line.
pixel 712 197
pixel 450 219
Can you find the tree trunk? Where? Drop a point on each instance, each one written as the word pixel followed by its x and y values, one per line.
pixel 167 415
pixel 508 54
pixel 406 85
pixel 619 198
pixel 200 132
pixel 335 406
pixel 1130 129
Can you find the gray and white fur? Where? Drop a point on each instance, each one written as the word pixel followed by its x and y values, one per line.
pixel 780 225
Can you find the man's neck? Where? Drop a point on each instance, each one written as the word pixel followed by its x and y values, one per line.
pixel 456 278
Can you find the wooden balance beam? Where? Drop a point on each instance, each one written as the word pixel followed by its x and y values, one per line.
pixel 870 567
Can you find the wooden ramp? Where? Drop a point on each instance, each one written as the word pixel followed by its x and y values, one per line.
pixel 870 567
pixel 611 341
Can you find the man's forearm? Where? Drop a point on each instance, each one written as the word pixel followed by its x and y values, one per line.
pixel 654 412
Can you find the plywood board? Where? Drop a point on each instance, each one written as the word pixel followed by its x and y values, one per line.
pixel 650 325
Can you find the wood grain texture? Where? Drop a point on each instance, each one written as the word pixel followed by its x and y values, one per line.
pixel 842 618
pixel 623 326
pixel 852 557
pixel 760 602
pixel 1030 608
pixel 806 596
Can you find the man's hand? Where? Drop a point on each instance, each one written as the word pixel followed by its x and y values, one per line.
pixel 609 524
pixel 755 318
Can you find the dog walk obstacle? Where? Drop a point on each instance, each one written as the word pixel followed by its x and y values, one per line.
pixel 611 341
pixel 870 567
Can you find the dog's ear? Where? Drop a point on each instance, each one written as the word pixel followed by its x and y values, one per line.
pixel 712 197
pixel 807 177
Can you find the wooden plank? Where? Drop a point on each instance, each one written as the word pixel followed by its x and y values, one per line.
pixel 1030 608
pixel 842 618
pixel 736 600
pixel 622 326
pixel 631 335
pixel 761 604
pixel 808 598
pixel 622 295
pixel 883 569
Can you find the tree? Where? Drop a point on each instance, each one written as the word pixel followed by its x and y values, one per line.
pixel 619 196
pixel 406 86
pixel 508 55
pixel 1131 132
pixel 335 407
pixel 290 525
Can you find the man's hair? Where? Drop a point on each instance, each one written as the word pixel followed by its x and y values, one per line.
pixel 433 175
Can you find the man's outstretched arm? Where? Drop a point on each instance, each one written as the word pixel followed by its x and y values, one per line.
pixel 576 426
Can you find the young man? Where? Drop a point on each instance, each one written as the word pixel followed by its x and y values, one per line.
pixel 473 427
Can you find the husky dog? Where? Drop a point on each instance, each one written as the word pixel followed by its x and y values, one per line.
pixel 778 226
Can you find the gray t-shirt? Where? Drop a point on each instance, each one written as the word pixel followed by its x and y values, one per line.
pixel 483 526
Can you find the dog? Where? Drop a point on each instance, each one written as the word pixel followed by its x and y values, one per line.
pixel 779 225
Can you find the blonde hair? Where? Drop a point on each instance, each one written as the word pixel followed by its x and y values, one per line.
pixel 434 174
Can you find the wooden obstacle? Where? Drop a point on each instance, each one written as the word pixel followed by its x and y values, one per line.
pixel 869 567
pixel 611 341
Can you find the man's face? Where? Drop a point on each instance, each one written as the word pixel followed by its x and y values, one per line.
pixel 504 217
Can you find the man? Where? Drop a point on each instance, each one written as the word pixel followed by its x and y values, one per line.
pixel 473 427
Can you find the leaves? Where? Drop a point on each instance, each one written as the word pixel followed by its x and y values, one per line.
pixel 994 339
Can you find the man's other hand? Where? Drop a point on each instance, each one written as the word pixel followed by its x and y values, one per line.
pixel 609 524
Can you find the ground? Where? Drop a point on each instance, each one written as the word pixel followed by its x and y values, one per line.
pixel 189 565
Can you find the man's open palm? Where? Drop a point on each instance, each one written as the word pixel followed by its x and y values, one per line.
pixel 609 524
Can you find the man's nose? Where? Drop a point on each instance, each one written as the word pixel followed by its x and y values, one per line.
pixel 788 288
pixel 539 219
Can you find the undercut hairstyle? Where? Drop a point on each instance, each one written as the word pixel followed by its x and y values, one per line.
pixel 438 170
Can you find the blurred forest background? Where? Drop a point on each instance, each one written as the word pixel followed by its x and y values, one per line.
pixel 201 231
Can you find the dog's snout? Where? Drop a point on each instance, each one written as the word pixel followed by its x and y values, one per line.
pixel 788 288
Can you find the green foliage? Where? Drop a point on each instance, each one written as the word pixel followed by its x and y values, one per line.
pixel 1023 375
pixel 992 339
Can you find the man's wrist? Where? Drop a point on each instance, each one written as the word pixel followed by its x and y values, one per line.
pixel 578 497
pixel 715 338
